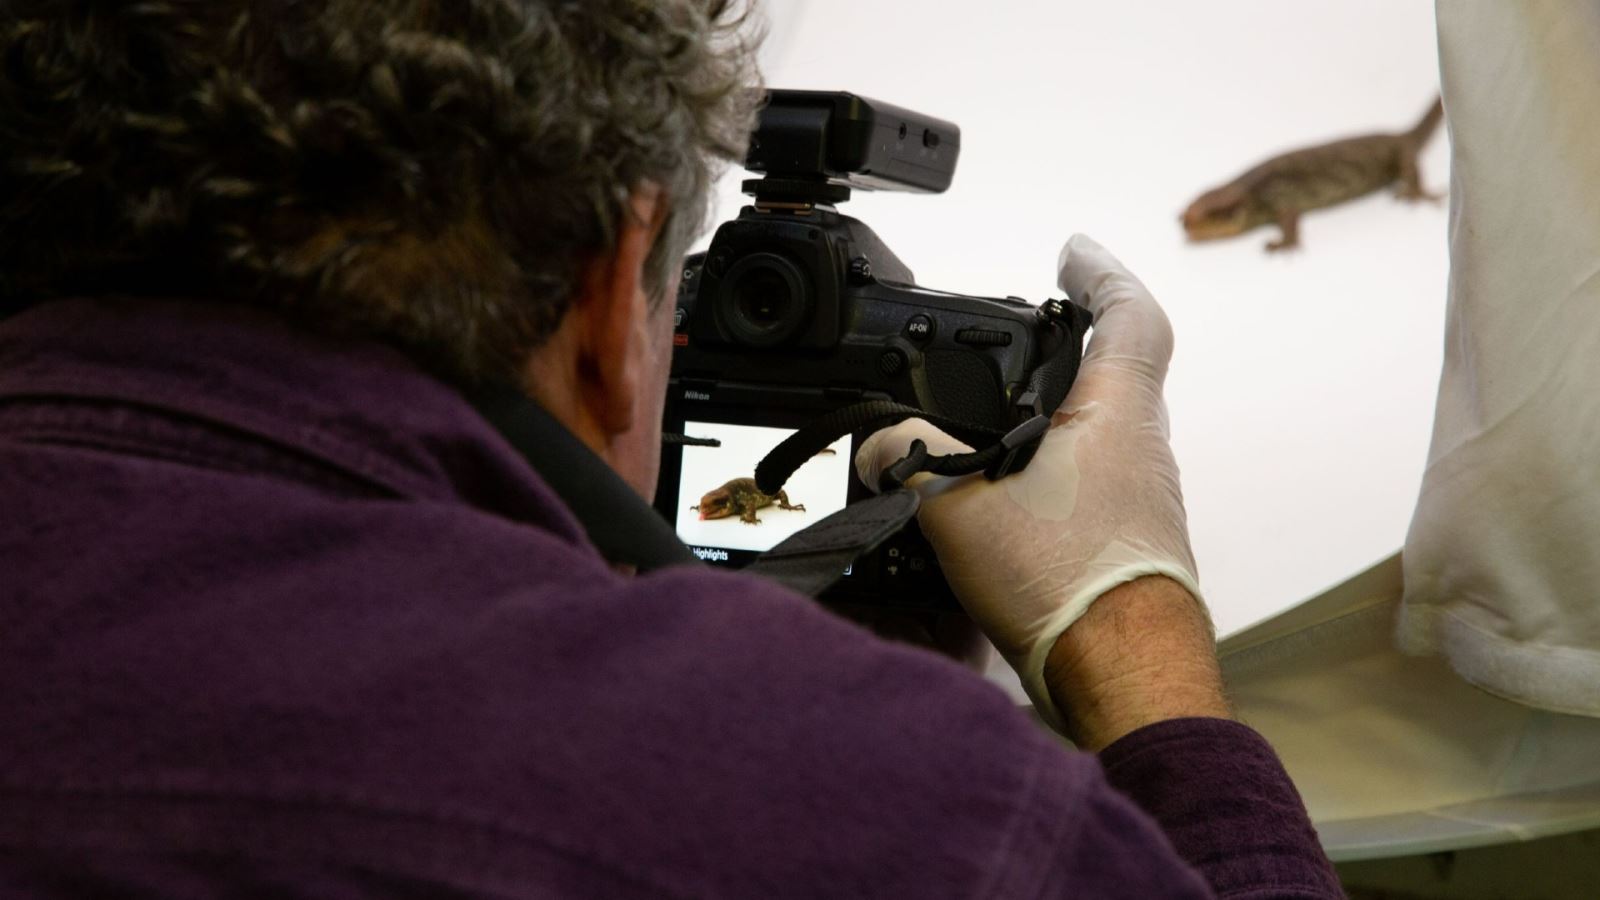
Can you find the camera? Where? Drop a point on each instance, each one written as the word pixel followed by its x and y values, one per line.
pixel 796 310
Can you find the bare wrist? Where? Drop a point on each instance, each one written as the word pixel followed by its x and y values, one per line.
pixel 1143 653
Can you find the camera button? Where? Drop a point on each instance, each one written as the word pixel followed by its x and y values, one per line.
pixel 892 362
pixel 919 327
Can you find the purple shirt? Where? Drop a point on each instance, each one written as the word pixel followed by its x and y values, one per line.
pixel 280 615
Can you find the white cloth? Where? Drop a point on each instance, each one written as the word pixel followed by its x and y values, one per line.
pixel 1394 754
pixel 1502 562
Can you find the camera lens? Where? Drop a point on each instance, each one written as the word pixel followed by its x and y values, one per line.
pixel 764 299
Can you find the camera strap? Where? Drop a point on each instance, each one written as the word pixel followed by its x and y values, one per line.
pixel 812 559
pixel 1002 453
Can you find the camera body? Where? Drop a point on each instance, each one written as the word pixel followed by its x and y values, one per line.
pixel 796 310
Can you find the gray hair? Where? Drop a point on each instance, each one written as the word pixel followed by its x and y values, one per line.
pixel 431 174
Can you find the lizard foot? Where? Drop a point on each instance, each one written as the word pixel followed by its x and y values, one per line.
pixel 1288 232
pixel 1417 195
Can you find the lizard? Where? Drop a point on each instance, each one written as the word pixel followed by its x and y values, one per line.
pixel 741 497
pixel 1277 191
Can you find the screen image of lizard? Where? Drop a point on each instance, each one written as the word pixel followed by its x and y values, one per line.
pixel 719 505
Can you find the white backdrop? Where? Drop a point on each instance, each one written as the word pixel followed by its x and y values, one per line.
pixel 1303 385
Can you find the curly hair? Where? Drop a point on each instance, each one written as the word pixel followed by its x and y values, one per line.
pixel 433 174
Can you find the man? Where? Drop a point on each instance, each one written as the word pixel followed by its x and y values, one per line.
pixel 285 616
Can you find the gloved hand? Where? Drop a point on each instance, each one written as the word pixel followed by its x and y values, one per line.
pixel 1098 506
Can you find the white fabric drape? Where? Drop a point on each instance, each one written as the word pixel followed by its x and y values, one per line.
pixel 1502 562
pixel 1396 755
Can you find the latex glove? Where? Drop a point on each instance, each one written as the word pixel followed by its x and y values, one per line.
pixel 1098 506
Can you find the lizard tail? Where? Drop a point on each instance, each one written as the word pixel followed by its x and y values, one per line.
pixel 1430 120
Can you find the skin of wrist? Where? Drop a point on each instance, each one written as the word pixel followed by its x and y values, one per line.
pixel 1144 652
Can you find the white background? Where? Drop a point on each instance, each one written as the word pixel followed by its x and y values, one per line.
pixel 1302 389
pixel 819 485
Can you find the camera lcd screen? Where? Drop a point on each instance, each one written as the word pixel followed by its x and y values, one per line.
pixel 718 506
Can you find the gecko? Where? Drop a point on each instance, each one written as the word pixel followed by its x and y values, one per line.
pixel 1277 191
pixel 741 497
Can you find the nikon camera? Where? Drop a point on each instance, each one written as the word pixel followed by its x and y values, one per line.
pixel 796 310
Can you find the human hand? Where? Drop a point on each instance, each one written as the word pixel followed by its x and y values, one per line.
pixel 1098 506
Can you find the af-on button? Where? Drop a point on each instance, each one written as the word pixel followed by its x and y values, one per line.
pixel 919 327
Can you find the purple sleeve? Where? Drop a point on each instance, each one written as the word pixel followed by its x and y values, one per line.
pixel 1226 805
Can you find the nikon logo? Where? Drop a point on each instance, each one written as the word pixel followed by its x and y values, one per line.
pixel 696 395
pixel 707 554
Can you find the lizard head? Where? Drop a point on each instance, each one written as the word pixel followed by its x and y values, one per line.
pixel 715 504
pixel 1219 213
